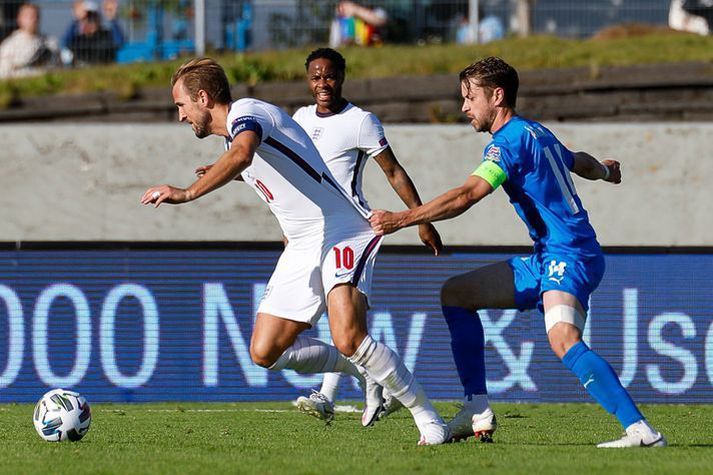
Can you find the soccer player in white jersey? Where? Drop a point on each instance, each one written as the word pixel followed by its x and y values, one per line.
pixel 346 137
pixel 328 261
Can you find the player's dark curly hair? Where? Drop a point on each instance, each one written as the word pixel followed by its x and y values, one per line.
pixel 206 74
pixel 490 73
pixel 328 53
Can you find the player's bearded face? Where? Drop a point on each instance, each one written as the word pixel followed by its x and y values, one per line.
pixel 193 112
pixel 200 122
pixel 478 106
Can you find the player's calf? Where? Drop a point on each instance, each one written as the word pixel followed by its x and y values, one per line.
pixel 564 325
pixel 273 338
pixel 387 369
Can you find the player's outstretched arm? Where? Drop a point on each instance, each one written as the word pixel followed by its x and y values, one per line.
pixel 228 166
pixel 370 16
pixel 200 171
pixel 404 187
pixel 590 168
pixel 448 205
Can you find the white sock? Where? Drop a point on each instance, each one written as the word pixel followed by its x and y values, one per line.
pixel 476 403
pixel 388 370
pixel 329 385
pixel 641 426
pixel 309 355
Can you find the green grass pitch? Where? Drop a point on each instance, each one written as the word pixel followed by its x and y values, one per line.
pixel 272 437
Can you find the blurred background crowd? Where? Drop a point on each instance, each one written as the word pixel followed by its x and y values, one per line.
pixel 61 33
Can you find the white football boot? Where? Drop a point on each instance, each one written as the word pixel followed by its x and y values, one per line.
pixel 434 432
pixel 468 424
pixel 639 434
pixel 316 405
pixel 391 405
pixel 373 400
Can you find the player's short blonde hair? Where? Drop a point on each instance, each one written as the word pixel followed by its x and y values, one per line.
pixel 203 74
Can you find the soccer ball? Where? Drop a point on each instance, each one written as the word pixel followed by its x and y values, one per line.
pixel 62 415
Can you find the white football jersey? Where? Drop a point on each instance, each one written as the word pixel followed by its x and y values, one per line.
pixel 345 140
pixel 288 173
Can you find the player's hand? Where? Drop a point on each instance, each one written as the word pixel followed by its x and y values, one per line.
pixel 614 171
pixel 165 194
pixel 384 222
pixel 430 237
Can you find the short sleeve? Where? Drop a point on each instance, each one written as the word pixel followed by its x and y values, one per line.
pixel 372 139
pixel 244 117
pixel 567 156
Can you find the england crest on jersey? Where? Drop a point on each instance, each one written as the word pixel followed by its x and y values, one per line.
pixel 317 133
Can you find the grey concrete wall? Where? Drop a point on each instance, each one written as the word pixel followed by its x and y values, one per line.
pixel 83 182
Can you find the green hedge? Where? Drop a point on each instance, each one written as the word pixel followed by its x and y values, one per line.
pixel 524 54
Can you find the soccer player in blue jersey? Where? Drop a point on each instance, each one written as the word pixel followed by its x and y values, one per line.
pixel 567 264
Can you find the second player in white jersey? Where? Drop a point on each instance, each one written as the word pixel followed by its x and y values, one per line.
pixel 347 137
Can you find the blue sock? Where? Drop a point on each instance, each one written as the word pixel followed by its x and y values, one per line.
pixel 468 346
pixel 602 383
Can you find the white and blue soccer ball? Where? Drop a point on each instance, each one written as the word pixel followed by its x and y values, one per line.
pixel 62 415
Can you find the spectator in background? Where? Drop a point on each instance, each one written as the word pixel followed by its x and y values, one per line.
pixel 357 25
pixel 490 28
pixel 87 40
pixel 26 52
pixel 685 15
pixel 8 16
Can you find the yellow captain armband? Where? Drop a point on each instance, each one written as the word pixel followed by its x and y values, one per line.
pixel 491 172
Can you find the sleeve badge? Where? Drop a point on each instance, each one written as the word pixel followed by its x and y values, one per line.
pixel 493 154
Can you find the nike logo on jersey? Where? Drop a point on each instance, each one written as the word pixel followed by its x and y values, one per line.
pixel 589 381
pixel 339 275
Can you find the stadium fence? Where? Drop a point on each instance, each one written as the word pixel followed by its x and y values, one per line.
pixel 164 29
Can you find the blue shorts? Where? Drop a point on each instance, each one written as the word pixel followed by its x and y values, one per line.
pixel 539 273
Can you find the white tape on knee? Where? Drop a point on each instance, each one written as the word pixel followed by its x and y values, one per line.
pixel 564 313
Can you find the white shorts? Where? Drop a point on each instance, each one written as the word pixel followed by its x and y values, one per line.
pixel 309 269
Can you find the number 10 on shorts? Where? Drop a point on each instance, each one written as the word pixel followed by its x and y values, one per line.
pixel 344 258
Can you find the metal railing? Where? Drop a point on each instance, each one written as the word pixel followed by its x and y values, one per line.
pixel 163 29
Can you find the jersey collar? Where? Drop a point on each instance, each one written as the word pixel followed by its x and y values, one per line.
pixel 330 114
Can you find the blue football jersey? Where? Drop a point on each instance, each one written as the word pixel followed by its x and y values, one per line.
pixel 540 187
